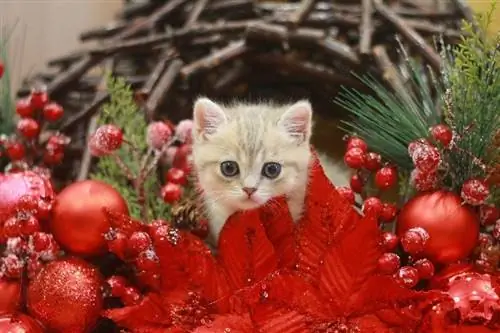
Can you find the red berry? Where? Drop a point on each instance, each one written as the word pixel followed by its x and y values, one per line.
pixel 354 158
pixel 386 178
pixel 53 157
pixel 131 296
pixel 485 239
pixel 118 244
pixel 184 130
pixel 138 242
pixel 39 98
pixel 15 245
pixel 149 279
pixel 171 192
pixel 158 134
pixel 426 157
pixel 388 263
pixel 13 266
pixel 372 205
pixel 57 142
pixel 105 140
pixel 176 176
pixel 29 225
pixel 24 108
pixel 28 127
pixel 182 158
pixel 488 214
pixel 355 142
pixel 389 212
pixel 12 227
pixel 117 285
pixel 356 183
pixel 147 261
pixel 425 268
pixel 53 111
pixel 407 276
pixel 2 69
pixel 442 133
pixel 389 241
pixel 496 231
pixel 347 193
pixel 41 241
pixel 475 192
pixel 373 161
pixel 424 181
pixel 414 240
pixel 165 233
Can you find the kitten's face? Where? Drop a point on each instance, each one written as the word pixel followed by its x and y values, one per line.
pixel 248 154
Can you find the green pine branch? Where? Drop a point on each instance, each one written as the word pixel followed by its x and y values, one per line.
pixel 7 111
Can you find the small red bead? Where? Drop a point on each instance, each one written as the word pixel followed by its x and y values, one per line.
pixel 389 241
pixel 425 268
pixel 407 276
pixel 39 98
pixel 347 193
pixel 24 108
pixel 355 142
pixel 388 263
pixel 53 111
pixel 488 214
pixel 131 296
pixel 138 242
pixel 117 285
pixel 176 176
pixel 389 212
pixel 386 178
pixel 372 205
pixel 442 134
pixel 171 192
pixel 475 192
pixel 356 183
pixel 355 158
pixel 28 127
pixel 373 161
pixel 414 240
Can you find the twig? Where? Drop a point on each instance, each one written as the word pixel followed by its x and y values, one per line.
pixel 389 71
pixel 306 6
pixel 366 27
pixel 195 13
pixel 87 157
pixel 88 111
pixel 466 12
pixel 148 86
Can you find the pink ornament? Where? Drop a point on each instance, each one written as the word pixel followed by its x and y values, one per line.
pixel 183 131
pixel 158 134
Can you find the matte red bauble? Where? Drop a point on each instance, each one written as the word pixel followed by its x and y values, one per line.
pixel 26 186
pixel 66 296
pixel 19 323
pixel 78 221
pixel 10 296
pixel 452 227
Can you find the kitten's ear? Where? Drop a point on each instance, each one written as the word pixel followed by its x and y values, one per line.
pixel 207 117
pixel 297 121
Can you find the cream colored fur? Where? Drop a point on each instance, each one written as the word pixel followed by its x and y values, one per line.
pixel 251 135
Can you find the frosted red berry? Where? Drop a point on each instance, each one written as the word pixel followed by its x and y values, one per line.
pixel 12 227
pixel 425 268
pixel 442 134
pixel 131 296
pixel 488 214
pixel 356 142
pixel 426 157
pixel 388 263
pixel 424 181
pixel 28 127
pixel 389 212
pixel 106 139
pixel 407 276
pixel 29 225
pixel 347 193
pixel 386 177
pixel 15 245
pixel 355 158
pixel 171 192
pixel 117 285
pixel 57 142
pixel 12 265
pixel 475 192
pixel 53 157
pixel 118 244
pixel 373 161
pixel 41 241
pixel 39 98
pixel 389 241
pixel 184 130
pixel 53 111
pixel 356 183
pixel 414 240
pixel 147 261
pixel 176 176
pixel 138 242
pixel 158 134
pixel 372 206
pixel 24 108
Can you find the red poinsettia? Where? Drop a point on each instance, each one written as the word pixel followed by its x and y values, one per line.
pixel 274 276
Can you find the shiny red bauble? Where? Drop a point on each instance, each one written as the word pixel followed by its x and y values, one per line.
pixel 19 323
pixel 66 296
pixel 78 221
pixel 354 158
pixel 53 112
pixel 386 178
pixel 10 296
pixel 452 227
pixel 24 108
pixel 442 133
pixel 28 128
pixel 355 142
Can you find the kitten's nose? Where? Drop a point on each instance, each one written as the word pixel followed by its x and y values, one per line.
pixel 249 190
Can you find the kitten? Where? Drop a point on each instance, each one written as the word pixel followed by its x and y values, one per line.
pixel 246 154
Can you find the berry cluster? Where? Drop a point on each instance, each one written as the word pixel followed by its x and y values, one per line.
pixel 26 149
pixel 119 287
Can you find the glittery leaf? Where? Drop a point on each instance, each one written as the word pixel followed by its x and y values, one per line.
pixel 273 319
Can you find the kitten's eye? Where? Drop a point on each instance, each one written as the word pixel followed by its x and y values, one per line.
pixel 229 168
pixel 271 170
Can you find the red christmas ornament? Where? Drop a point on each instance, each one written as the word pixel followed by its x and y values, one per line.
pixel 10 295
pixel 347 193
pixel 452 227
pixel 389 212
pixel 389 241
pixel 442 134
pixel 53 112
pixel 373 161
pixel 19 323
pixel 158 134
pixel 407 276
pixel 27 188
pixel 24 108
pixel 176 176
pixel 171 192
pixel 426 157
pixel 355 142
pixel 372 205
pixel 488 214
pixel 66 296
pixel 388 263
pixel 414 240
pixel 354 158
pixel 78 221
pixel 28 127
pixel 386 178
pixel 425 268
pixel 475 192
pixel 356 183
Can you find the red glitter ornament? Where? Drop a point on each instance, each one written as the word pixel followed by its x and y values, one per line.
pixel 407 276
pixel 79 224
pixel 414 240
pixel 442 134
pixel 425 268
pixel 356 183
pixel 354 158
pixel 28 127
pixel 372 205
pixel 453 228
pixel 66 296
pixel 10 295
pixel 356 142
pixel 373 161
pixel 488 214
pixel 386 178
pixel 475 192
pixel 424 181
pixel 19 323
pixel 426 157
pixel 388 263
pixel 347 193
pixel 158 134
pixel 389 241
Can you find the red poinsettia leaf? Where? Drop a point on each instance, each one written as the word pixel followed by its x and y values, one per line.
pixel 369 323
pixel 245 252
pixel 326 215
pixel 228 323
pixel 269 318
pixel 349 262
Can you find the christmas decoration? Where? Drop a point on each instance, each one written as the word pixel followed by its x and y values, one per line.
pixel 66 296
pixel 11 295
pixel 79 225
pixel 18 322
